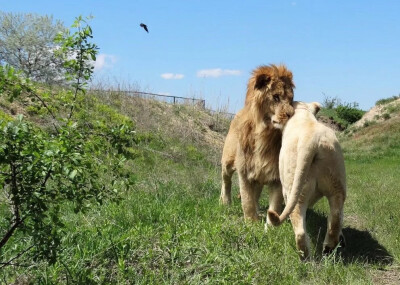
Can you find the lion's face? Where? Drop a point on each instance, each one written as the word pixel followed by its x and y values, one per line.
pixel 281 107
pixel 272 94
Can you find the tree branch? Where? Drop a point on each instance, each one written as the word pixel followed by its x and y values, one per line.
pixel 78 83
pixel 4 264
pixel 48 174
pixel 47 108
pixel 15 203
pixel 10 232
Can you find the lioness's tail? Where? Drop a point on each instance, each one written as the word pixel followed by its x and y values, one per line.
pixel 304 160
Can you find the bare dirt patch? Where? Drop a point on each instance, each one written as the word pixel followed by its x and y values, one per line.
pixel 386 276
pixel 376 113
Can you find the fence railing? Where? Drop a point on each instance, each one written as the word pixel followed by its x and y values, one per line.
pixel 168 99
pixel 160 97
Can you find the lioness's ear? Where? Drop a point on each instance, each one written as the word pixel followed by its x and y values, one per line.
pixel 315 107
pixel 262 81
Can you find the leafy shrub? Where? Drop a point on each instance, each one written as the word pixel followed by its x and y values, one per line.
pixel 386 116
pixel 75 164
pixel 349 112
pixel 38 172
pixel 369 123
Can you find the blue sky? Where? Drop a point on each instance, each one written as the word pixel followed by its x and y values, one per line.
pixel 207 49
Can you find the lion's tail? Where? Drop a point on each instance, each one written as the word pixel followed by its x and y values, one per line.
pixel 304 160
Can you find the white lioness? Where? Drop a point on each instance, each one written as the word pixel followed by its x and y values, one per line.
pixel 311 165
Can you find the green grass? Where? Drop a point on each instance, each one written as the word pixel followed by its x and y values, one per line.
pixel 375 201
pixel 170 229
pixel 375 141
pixel 176 236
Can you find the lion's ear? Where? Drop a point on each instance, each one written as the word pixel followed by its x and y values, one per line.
pixel 262 81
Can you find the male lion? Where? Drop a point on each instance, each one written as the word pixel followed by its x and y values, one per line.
pixel 253 141
pixel 311 166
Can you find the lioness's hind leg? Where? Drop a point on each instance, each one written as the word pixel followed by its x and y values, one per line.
pixel 334 233
pixel 298 220
pixel 227 172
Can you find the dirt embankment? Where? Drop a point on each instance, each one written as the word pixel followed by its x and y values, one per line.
pixel 377 113
pixel 330 122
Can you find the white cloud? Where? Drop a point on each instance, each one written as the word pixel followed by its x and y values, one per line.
pixel 104 61
pixel 217 72
pixel 172 76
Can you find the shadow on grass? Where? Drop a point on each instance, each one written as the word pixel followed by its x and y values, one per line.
pixel 360 245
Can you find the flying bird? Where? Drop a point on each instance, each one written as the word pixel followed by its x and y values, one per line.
pixel 144 27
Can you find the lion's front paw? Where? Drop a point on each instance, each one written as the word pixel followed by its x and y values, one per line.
pixel 223 200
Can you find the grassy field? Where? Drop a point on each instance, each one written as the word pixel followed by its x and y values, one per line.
pixel 170 229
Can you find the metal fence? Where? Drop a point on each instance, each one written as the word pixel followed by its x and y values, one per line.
pixel 168 99
pixel 159 97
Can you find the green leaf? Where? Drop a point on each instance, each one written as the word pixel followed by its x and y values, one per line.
pixel 73 174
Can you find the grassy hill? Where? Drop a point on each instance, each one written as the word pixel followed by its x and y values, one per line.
pixel 168 228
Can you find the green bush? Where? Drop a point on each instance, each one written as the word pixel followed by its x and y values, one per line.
pixel 349 112
pixel 75 163
pixel 386 116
